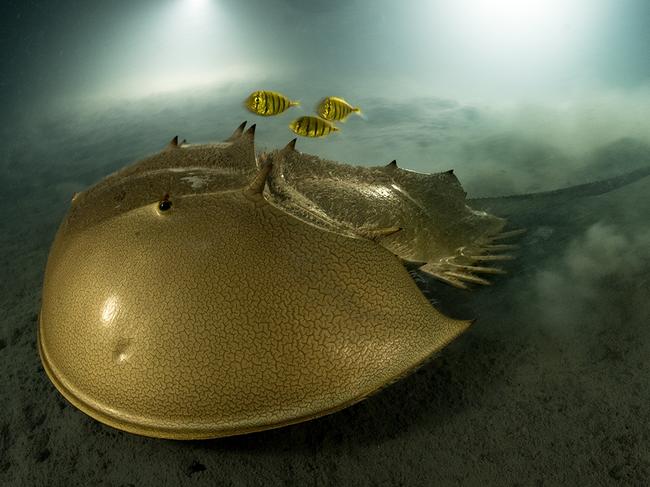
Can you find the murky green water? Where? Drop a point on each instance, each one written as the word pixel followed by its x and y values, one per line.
pixel 551 384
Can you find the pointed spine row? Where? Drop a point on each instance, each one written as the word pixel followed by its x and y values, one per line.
pixel 239 132
pixel 459 275
pixel 174 143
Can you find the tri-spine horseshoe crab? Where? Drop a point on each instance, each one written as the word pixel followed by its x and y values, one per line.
pixel 205 292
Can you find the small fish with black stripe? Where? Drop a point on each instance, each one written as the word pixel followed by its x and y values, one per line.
pixel 335 108
pixel 312 127
pixel 268 103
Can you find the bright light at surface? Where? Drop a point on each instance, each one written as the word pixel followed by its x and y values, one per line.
pixel 176 46
pixel 515 24
pixel 514 42
pixel 197 4
pixel 519 19
pixel 188 27
pixel 162 80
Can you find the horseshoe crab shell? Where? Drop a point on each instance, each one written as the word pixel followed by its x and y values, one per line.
pixel 230 305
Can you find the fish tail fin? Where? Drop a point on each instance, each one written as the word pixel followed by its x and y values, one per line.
pixel 295 103
pixel 358 111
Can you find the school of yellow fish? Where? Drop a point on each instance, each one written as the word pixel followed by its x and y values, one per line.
pixel 329 110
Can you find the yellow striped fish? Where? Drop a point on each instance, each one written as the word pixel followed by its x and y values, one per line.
pixel 335 108
pixel 267 103
pixel 312 127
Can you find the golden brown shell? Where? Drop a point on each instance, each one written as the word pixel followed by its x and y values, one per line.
pixel 221 313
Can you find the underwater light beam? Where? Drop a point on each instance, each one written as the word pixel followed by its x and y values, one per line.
pixel 176 48
pixel 505 46
pixel 196 5
pixel 513 23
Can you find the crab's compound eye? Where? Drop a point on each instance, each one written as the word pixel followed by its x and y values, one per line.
pixel 165 204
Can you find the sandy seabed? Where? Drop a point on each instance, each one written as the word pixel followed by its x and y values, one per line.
pixel 551 386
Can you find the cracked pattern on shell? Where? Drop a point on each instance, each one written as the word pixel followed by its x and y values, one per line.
pixel 280 321
pixel 269 290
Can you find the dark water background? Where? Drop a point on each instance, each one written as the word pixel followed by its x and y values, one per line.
pixel 551 385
